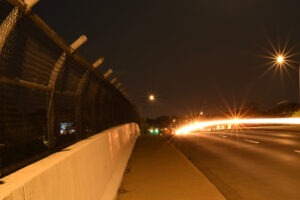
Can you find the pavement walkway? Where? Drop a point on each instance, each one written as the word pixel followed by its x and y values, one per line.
pixel 158 171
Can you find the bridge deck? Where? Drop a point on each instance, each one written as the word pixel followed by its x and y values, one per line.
pixel 157 170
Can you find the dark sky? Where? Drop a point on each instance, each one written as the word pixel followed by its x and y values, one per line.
pixel 193 54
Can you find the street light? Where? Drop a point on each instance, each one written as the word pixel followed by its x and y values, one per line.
pixel 151 97
pixel 281 60
pixel 147 99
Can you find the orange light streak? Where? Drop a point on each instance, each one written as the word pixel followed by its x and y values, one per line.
pixel 229 122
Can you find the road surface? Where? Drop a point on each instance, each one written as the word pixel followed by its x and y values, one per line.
pixel 247 164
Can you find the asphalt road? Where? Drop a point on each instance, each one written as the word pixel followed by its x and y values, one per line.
pixel 247 164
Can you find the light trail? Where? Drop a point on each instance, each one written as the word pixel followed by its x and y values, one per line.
pixel 251 141
pixel 229 123
pixel 297 151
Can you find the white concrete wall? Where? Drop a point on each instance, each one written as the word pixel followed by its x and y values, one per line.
pixel 91 169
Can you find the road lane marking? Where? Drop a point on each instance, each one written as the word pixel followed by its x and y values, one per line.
pixel 251 141
pixel 297 151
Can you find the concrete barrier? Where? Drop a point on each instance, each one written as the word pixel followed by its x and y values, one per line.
pixel 91 169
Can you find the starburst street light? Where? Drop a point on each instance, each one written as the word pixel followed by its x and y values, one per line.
pixel 281 58
pixel 281 61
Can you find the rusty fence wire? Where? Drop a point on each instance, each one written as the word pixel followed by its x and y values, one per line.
pixel 50 97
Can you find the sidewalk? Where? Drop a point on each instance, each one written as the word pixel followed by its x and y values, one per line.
pixel 158 171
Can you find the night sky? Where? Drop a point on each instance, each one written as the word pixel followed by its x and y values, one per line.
pixel 195 55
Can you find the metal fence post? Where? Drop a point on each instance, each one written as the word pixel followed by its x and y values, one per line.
pixel 107 73
pixel 79 94
pixel 29 4
pixel 118 85
pixel 112 81
pixel 10 22
pixel 52 84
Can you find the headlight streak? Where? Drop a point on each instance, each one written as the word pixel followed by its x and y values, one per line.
pixel 297 151
pixel 196 126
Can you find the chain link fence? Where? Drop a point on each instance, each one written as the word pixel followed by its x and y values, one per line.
pixel 50 97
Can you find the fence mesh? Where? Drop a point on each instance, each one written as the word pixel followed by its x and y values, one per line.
pixel 39 113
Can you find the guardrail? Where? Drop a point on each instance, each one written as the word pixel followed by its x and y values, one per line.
pixel 50 96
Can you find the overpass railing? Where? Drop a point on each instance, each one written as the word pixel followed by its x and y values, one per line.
pixel 50 96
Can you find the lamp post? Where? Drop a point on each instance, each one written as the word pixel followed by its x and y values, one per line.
pixel 150 98
pixel 143 124
pixel 281 60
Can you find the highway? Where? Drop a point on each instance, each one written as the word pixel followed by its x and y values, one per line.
pixel 249 164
